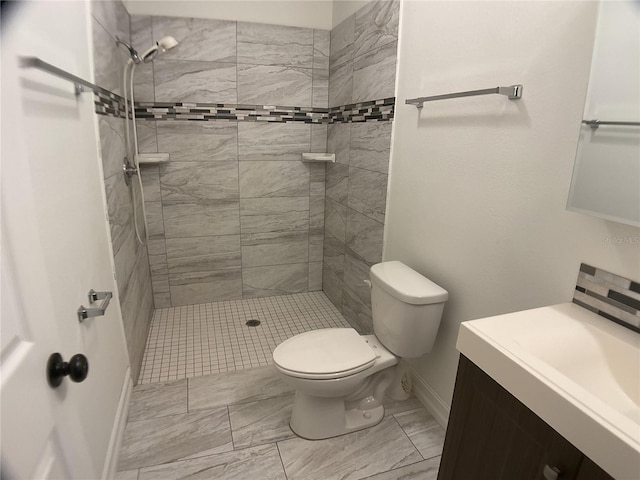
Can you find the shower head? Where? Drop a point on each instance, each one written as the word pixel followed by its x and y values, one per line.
pixel 164 44
pixel 135 57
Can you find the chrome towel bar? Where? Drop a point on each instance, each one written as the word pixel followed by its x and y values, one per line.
pixel 79 83
pixel 514 92
pixel 596 123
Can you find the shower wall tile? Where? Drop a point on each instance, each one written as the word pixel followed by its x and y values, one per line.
pixel 147 139
pixel 370 145
pixel 279 214
pixel 112 142
pixel 195 81
pixel 342 38
pixel 319 134
pixel 274 85
pixel 316 245
pixel 109 59
pixel 203 141
pixel 141 32
pixel 202 254
pixel 332 286
pixel 317 175
pixel 262 44
pixel 155 221
pixel 275 280
pixel 205 287
pixel 150 175
pixel 199 39
pixel 274 179
pixel 341 85
pixel 337 182
pixel 113 17
pixel 199 182
pixel 374 74
pixel 315 276
pixel 364 236
pixel 273 141
pixel 376 25
pixel 321 49
pixel 316 213
pixel 357 294
pixel 335 219
pixel 261 249
pixel 218 217
pixel 368 192
pixel 338 138
pixel 320 98
pixel 143 83
pixel 119 209
pixel 355 312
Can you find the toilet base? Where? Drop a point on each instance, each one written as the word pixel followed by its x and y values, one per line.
pixel 329 418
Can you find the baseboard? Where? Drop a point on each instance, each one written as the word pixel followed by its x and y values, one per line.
pixel 430 399
pixel 113 453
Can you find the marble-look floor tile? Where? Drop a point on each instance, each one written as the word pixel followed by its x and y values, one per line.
pixel 176 437
pixel 321 50
pixel 274 280
pixel 370 144
pixel 349 457
pixel 263 44
pixel 274 85
pixel 341 42
pixel 423 430
pixel 187 81
pixel 201 254
pixel 236 387
pixel 273 141
pixel 392 406
pixel 376 25
pixel 264 421
pixel 261 462
pixel 368 192
pixel 189 141
pixel 127 475
pixel 199 182
pixel 280 214
pixel 158 400
pixel 274 179
pixel 199 38
pixel 364 236
pixel 262 249
pixel 341 85
pixel 425 470
pixel 374 74
pixel 219 217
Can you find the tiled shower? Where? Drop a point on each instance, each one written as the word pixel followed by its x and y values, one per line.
pixel 235 214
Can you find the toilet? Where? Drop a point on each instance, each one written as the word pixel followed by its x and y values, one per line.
pixel 340 377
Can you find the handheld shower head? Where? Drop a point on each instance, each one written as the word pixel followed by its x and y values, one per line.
pixel 135 57
pixel 164 44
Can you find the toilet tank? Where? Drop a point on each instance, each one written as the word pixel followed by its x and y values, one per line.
pixel 406 309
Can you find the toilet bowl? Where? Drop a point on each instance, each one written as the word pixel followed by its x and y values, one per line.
pixel 340 377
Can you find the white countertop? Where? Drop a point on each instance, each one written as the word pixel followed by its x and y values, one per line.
pixel 577 371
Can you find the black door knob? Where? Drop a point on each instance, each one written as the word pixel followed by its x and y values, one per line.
pixel 77 368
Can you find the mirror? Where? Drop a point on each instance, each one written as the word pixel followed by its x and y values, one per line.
pixel 606 174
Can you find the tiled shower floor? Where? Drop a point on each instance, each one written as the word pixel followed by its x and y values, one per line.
pixel 197 340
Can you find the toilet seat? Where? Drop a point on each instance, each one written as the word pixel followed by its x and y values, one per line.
pixel 324 354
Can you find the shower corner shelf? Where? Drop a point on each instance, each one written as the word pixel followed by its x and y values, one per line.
pixel 152 158
pixel 319 157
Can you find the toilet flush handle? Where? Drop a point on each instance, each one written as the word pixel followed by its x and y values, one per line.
pixel 367 282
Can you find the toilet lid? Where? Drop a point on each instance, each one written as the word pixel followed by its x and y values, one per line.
pixel 325 351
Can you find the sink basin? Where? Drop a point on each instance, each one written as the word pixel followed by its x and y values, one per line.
pixel 576 370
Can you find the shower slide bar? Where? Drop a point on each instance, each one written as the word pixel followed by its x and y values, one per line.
pixel 514 92
pixel 596 123
pixel 79 83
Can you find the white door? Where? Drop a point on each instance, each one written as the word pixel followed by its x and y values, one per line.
pixel 55 248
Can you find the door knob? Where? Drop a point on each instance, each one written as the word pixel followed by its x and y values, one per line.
pixel 77 368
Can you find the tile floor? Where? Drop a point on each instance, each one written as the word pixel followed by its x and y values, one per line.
pixel 209 338
pixel 234 425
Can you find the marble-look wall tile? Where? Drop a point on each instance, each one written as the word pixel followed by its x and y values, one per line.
pixel 338 140
pixel 316 244
pixel 199 182
pixel 263 44
pixel 356 313
pixel 370 146
pixel 320 98
pixel 316 213
pixel 155 220
pixel 219 217
pixel 337 182
pixel 113 17
pixel 202 254
pixel 319 134
pixel 199 39
pixel 112 144
pixel 262 249
pixel 190 81
pixel 143 83
pixel 364 236
pixel 274 280
pixel 321 50
pixel 315 276
pixel 317 175
pixel 273 141
pixel 279 214
pixel 376 25
pixel 342 38
pixel 357 295
pixel 147 140
pixel 274 179
pixel 368 192
pixel 119 208
pixel 341 84
pixel 141 32
pixel 335 219
pixel 109 59
pixel 274 85
pixel 374 74
pixel 205 287
pixel 202 141
pixel 150 176
pixel 333 269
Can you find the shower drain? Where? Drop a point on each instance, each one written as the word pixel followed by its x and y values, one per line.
pixel 252 323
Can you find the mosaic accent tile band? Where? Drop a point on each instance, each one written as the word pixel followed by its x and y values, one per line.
pixel 375 110
pixel 610 296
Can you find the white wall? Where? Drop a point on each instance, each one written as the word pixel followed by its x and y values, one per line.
pixel 342 9
pixel 298 13
pixel 478 186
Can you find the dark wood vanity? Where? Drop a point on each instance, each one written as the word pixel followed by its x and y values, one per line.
pixel 491 435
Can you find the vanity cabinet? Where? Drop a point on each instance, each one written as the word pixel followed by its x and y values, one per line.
pixel 492 435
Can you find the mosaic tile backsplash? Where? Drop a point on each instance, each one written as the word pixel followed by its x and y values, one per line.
pixel 610 296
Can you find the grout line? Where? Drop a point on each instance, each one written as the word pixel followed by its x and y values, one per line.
pixel 284 470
